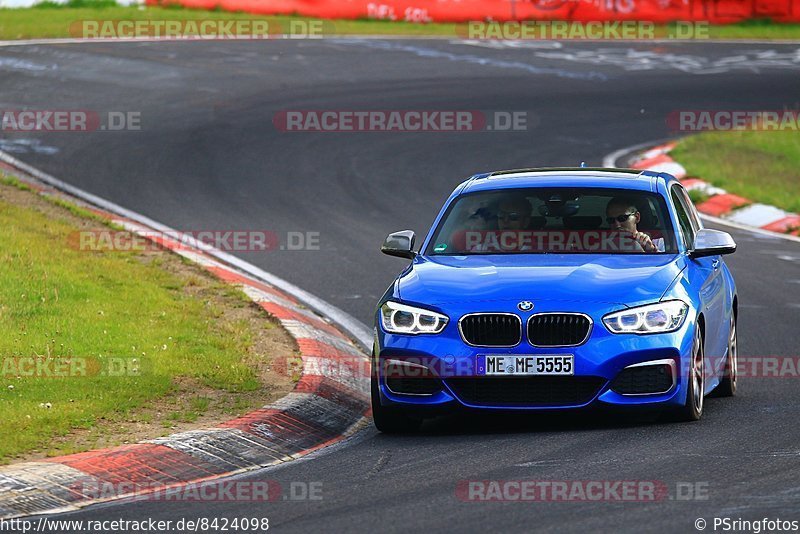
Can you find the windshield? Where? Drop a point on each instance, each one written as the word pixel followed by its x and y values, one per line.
pixel 555 220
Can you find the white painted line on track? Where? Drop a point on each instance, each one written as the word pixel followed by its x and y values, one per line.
pixel 442 38
pixel 758 215
pixel 746 228
pixel 610 160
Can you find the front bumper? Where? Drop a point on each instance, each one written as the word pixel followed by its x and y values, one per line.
pixel 597 363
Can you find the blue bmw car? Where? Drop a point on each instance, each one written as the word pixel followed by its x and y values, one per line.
pixel 557 289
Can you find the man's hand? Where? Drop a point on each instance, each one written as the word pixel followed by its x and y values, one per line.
pixel 645 241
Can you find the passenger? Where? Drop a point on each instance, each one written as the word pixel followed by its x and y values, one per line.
pixel 514 213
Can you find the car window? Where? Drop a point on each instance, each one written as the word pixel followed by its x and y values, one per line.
pixel 550 220
pixel 693 215
pixel 684 220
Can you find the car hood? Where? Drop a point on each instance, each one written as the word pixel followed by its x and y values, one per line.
pixel 625 280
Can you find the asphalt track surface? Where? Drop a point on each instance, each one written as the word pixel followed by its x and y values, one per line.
pixel 209 157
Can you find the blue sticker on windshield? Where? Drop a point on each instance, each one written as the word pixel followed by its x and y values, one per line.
pixel 440 247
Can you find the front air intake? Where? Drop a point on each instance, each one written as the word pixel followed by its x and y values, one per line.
pixel 528 391
pixel 649 379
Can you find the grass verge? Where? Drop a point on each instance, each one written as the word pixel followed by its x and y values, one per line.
pixel 58 22
pixel 758 165
pixel 49 20
pixel 103 348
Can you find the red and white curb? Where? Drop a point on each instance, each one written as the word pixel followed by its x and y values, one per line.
pixel 719 203
pixel 329 403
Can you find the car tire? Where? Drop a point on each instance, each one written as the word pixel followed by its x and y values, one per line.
pixel 727 386
pixel 390 420
pixel 692 410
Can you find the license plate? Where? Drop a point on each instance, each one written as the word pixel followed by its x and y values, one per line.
pixel 522 365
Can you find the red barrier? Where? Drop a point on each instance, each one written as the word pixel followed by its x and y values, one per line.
pixel 714 11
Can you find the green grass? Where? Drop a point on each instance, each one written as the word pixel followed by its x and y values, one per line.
pixel 758 165
pixel 197 407
pixel 61 302
pixel 697 196
pixel 50 20
pixel 56 22
pixel 755 29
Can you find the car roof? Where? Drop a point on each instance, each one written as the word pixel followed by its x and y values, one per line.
pixel 635 179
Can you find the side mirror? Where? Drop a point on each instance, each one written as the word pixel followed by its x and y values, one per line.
pixel 400 244
pixel 709 242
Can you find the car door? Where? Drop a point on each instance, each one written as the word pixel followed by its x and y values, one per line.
pixel 707 279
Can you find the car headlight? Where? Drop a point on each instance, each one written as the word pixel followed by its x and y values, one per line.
pixel 401 319
pixel 651 319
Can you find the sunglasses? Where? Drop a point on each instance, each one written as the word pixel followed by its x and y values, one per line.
pixel 619 218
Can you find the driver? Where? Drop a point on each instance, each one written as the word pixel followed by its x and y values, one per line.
pixel 623 216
